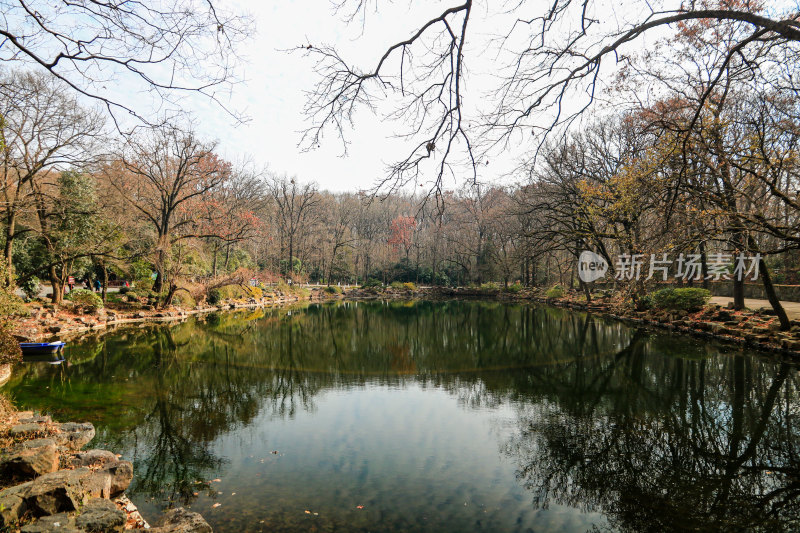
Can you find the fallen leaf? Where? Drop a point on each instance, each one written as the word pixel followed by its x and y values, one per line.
pixel 216 480
pixel 216 504
pixel 308 512
pixel 359 506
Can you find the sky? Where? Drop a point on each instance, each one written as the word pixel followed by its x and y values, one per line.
pixel 273 78
pixel 273 94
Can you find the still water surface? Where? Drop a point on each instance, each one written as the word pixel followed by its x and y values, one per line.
pixel 455 416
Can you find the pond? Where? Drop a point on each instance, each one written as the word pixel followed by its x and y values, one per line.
pixel 451 416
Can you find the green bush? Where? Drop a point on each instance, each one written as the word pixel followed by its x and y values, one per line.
pixel 124 290
pixel 490 286
pixel 332 289
pixel 514 288
pixel 255 292
pixel 144 284
pixel 372 283
pixel 409 286
pixel 556 291
pixel 88 300
pixel 31 287
pixel 214 296
pixel 183 299
pixel 397 285
pixel 113 298
pixel 685 299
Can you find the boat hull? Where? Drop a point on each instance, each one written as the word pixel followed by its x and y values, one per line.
pixel 41 348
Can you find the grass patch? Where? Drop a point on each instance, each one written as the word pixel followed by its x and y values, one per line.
pixel 556 291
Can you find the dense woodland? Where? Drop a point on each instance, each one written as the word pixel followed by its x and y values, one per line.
pixel 706 163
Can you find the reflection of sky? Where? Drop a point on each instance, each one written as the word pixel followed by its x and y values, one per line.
pixel 412 457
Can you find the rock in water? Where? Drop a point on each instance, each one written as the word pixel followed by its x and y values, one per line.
pixel 181 521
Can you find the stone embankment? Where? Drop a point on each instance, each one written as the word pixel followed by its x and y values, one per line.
pixel 756 328
pixel 45 322
pixel 48 483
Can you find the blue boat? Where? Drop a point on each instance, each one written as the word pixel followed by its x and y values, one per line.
pixel 41 348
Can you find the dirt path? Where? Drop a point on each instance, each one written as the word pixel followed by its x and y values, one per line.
pixel 792 308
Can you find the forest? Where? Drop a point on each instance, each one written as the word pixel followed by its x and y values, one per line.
pixel 706 165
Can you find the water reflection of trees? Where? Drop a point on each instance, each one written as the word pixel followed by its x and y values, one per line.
pixel 656 432
pixel 665 443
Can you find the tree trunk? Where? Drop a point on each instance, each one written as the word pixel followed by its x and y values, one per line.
pixel 158 284
pixel 170 295
pixel 105 281
pixel 8 251
pixel 290 266
pixel 772 296
pixel 586 291
pixel 214 265
pixel 58 286
pixel 704 264
pixel 738 293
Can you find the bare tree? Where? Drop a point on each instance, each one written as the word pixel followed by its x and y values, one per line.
pixel 164 173
pixel 295 208
pixel 168 49
pixel 548 66
pixel 43 128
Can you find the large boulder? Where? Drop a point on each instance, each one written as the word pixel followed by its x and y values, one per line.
pixel 114 475
pixel 44 419
pixel 181 521
pixel 30 459
pixel 29 430
pixel 62 491
pixel 57 492
pixel 61 522
pixel 120 474
pixel 74 435
pixel 12 505
pixel 101 516
pixel 95 458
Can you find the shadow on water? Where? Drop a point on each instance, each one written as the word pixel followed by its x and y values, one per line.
pixel 592 424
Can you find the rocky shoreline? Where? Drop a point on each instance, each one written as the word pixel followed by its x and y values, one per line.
pixel 49 483
pixel 751 328
pixel 44 323
pixel 758 329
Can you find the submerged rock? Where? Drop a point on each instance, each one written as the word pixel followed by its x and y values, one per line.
pixel 181 521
